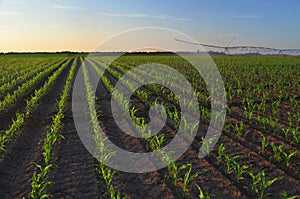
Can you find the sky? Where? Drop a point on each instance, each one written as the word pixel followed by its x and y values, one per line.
pixel 77 25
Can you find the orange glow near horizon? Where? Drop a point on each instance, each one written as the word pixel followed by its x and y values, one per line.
pixel 51 26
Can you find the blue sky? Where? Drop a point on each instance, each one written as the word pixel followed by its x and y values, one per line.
pixel 81 25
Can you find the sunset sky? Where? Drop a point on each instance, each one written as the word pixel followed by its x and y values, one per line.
pixel 79 25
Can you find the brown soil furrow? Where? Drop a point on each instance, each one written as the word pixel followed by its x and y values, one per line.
pixel 74 174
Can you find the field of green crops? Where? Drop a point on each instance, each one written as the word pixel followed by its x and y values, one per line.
pixel 42 156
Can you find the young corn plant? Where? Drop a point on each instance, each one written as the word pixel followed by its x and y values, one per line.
pixel 290 118
pixel 240 170
pixel 144 96
pixel 173 171
pixel 275 108
pixel 230 163
pixel 286 131
pixel 273 123
pixel 187 176
pixel 264 143
pixel 39 182
pixel 239 129
pixel 285 196
pixel 281 154
pixel 107 176
pixel 174 116
pixel 229 109
pixel 206 144
pixel 221 154
pixel 202 194
pixel 260 184
pixel 276 151
pixel 296 135
pixel 205 114
pixel 286 156
pixel 249 115
pixel 294 103
pixel 263 121
pixel 9 134
pixel 157 141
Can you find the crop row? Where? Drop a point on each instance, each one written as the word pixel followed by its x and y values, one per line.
pixel 105 173
pixel 40 179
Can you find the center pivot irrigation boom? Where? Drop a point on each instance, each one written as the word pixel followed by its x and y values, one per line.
pixel 245 49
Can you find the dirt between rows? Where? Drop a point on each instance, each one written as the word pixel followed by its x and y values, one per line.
pixel 74 175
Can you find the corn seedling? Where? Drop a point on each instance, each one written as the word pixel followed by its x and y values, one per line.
pixel 286 132
pixel 202 194
pixel 240 170
pixel 173 171
pixel 239 129
pixel 260 184
pixel 264 143
pixel 296 135
pixel 276 151
pixel 157 142
pixel 286 156
pixel 39 182
pixel 221 150
pixel 285 196
pixel 230 163
pixel 187 176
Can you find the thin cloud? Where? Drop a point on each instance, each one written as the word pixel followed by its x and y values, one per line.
pixel 144 16
pixel 134 15
pixel 61 7
pixel 10 13
pixel 252 17
pixel 180 19
pixel 14 2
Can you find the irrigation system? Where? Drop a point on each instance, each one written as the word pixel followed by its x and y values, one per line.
pixel 230 50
